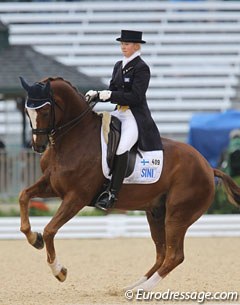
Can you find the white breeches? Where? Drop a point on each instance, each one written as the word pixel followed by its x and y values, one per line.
pixel 129 130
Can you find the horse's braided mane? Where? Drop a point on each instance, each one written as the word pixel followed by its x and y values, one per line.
pixel 64 80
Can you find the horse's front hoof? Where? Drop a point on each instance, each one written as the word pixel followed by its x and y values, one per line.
pixel 62 275
pixel 39 243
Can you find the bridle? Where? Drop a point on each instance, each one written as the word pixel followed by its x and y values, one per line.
pixel 54 132
pixel 48 130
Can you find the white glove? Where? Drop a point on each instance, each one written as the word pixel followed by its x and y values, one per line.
pixel 91 95
pixel 104 95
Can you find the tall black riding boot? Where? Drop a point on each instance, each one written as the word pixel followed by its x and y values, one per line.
pixel 106 199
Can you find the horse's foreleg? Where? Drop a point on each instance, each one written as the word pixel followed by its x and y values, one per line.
pixel 156 220
pixel 66 211
pixel 39 189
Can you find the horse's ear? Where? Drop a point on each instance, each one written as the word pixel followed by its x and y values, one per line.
pixel 24 84
pixel 47 87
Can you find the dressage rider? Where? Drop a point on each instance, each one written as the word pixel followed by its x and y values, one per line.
pixel 127 89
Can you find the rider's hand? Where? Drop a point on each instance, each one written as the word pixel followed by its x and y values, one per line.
pixel 91 95
pixel 104 95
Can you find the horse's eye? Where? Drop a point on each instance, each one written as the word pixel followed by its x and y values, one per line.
pixel 44 113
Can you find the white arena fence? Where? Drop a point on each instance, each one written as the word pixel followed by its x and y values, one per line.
pixel 113 226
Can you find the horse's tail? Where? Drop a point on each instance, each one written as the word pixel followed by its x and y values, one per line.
pixel 233 190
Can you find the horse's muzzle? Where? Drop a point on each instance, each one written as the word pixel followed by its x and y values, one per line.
pixel 39 148
pixel 40 143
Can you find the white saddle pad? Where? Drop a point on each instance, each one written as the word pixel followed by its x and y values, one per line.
pixel 148 166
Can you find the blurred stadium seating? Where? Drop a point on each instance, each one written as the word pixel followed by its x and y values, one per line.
pixel 193 48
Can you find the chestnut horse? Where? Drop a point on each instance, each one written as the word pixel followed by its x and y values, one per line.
pixel 67 131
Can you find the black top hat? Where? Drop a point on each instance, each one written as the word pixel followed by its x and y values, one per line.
pixel 131 36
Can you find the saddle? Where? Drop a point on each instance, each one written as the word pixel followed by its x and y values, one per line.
pixel 144 167
pixel 112 134
pixel 113 139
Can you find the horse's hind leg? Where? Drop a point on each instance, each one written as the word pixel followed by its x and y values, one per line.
pixel 40 189
pixel 179 217
pixel 69 208
pixel 173 256
pixel 156 220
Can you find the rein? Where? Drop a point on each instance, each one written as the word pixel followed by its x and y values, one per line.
pixel 69 125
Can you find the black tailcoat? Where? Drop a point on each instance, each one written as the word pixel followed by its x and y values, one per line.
pixel 129 86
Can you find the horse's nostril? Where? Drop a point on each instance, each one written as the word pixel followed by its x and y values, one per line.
pixel 40 149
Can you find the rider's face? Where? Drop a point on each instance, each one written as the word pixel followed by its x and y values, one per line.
pixel 128 48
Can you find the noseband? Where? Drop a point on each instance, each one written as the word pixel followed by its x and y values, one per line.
pixel 53 131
